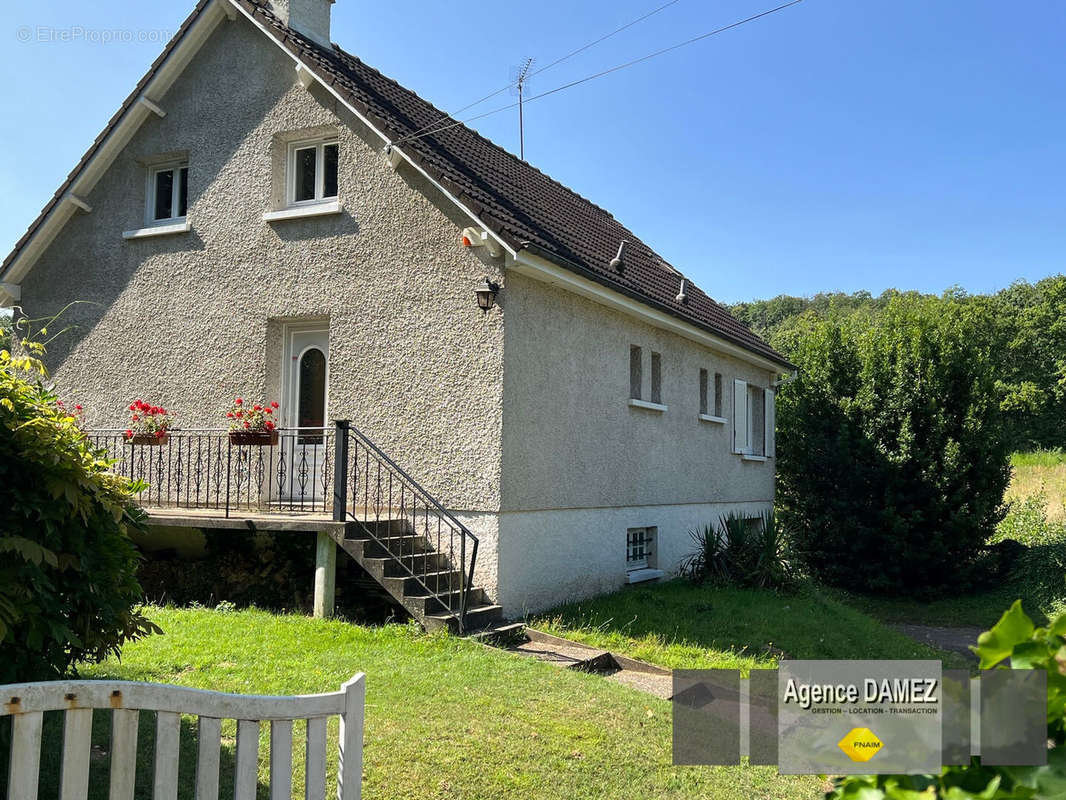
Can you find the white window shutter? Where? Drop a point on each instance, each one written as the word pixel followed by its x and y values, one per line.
pixel 769 424
pixel 741 439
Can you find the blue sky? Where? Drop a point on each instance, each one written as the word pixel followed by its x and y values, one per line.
pixel 837 145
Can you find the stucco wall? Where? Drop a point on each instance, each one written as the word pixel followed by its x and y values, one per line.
pixel 551 557
pixel 570 438
pixel 191 320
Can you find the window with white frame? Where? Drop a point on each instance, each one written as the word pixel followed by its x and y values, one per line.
pixel 640 548
pixel 168 193
pixel 312 172
pixel 753 420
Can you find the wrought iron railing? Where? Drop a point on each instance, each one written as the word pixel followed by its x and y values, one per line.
pixel 204 469
pixel 432 547
pixel 324 470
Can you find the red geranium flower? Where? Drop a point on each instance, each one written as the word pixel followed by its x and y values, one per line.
pixel 274 404
pixel 238 401
pixel 269 425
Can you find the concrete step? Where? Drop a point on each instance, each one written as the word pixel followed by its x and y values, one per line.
pixel 434 580
pixel 477 618
pixel 398 546
pixel 501 634
pixel 428 604
pixel 384 527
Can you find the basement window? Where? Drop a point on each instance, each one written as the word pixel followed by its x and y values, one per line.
pixel 168 194
pixel 639 548
pixel 312 172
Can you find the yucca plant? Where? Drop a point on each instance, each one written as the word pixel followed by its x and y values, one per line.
pixel 742 551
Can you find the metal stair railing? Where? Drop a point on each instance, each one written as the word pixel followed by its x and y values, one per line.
pixel 416 531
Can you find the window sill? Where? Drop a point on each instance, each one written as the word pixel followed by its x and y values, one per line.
pixel 750 457
pixel 641 575
pixel 159 230
pixel 712 418
pixel 298 212
pixel 657 407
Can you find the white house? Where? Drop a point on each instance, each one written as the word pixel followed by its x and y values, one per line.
pixel 260 219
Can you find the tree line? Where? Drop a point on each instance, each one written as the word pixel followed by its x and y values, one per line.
pixel 1023 328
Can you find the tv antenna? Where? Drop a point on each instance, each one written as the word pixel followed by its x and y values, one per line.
pixel 519 79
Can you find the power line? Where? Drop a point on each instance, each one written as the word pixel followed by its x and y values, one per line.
pixel 557 61
pixel 421 135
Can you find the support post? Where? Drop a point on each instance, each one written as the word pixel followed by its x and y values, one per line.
pixel 340 469
pixel 325 575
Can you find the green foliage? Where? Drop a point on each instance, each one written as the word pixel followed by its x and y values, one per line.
pixel 1017 641
pixel 5 331
pixel 740 551
pixel 1028 325
pixel 68 569
pixel 891 462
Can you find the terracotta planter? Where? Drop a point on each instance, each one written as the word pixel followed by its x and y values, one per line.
pixel 254 438
pixel 149 439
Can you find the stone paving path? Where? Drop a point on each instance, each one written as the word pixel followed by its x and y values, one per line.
pixel 957 640
pixel 573 655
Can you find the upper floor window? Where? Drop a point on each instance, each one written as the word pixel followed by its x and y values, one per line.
pixel 168 193
pixel 312 174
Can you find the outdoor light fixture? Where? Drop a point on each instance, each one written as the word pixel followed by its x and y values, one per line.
pixel 486 294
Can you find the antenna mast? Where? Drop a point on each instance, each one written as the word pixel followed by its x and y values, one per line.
pixel 520 82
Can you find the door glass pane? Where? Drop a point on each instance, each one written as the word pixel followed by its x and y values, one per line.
pixel 305 174
pixel 312 400
pixel 330 168
pixel 164 194
pixel 183 192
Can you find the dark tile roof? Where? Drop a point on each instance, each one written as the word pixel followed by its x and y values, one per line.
pixel 517 201
pixel 520 203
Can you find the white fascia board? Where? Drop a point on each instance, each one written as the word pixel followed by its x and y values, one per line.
pixel 392 149
pixel 166 74
pixel 542 269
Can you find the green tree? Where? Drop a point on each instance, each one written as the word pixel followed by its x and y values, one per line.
pixel 68 585
pixel 891 459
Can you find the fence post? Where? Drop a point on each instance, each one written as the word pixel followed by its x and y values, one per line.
pixel 340 469
pixel 350 761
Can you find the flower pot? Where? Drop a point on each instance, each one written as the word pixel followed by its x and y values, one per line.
pixel 149 439
pixel 254 438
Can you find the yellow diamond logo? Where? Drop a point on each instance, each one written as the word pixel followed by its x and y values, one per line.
pixel 860 744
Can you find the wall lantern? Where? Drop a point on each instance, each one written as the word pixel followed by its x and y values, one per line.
pixel 486 294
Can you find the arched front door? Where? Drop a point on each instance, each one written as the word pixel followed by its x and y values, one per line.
pixel 305 409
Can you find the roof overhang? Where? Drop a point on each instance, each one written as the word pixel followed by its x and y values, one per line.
pixel 67 201
pixel 539 267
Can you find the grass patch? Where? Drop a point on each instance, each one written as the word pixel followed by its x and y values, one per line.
pixel 1043 474
pixel 680 625
pixel 446 718
pixel 1039 458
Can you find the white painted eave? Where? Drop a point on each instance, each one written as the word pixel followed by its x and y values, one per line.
pixel 118 137
pixel 541 269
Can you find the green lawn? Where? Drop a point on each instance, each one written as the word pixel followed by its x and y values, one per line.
pixel 679 625
pixel 446 718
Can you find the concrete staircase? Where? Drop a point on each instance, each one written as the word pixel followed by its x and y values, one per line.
pixel 419 578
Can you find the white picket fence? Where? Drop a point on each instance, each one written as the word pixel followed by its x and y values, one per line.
pixel 27 702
